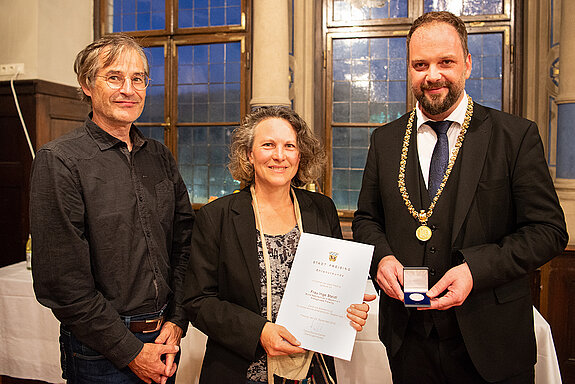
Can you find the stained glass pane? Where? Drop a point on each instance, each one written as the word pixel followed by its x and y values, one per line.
pixel 465 7
pixel 208 13
pixel 153 132
pixel 137 15
pixel 154 107
pixel 369 86
pixel 356 10
pixel 209 78
pixel 209 82
pixel 369 79
pixel 349 151
pixel 485 85
pixel 202 159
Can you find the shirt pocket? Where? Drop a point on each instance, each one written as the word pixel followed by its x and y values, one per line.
pixel 165 201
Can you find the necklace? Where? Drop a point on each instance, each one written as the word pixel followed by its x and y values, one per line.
pixel 423 232
pixel 265 252
pixel 274 363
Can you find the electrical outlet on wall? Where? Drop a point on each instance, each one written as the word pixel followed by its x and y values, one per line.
pixel 11 69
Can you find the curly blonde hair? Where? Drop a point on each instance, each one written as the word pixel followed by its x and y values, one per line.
pixel 312 154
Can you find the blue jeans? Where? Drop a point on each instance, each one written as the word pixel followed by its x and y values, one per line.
pixel 83 365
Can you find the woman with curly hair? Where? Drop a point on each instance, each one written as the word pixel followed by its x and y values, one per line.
pixel 243 247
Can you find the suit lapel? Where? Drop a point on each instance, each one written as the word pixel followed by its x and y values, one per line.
pixel 472 156
pixel 245 226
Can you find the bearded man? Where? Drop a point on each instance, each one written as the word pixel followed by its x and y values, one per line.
pixel 463 191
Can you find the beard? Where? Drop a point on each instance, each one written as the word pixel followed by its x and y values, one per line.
pixel 437 104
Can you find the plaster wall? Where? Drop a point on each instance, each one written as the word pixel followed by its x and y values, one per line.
pixel 45 36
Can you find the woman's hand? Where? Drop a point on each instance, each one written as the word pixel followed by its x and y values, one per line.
pixel 277 340
pixel 357 313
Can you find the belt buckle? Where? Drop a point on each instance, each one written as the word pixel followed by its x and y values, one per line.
pixel 158 322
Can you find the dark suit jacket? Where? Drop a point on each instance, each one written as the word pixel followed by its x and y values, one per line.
pixel 507 222
pixel 223 294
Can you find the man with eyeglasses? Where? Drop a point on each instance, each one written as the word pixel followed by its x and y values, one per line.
pixel 111 222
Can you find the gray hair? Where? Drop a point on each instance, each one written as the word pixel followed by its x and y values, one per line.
pixel 111 47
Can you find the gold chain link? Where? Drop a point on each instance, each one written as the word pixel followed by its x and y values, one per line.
pixel 422 216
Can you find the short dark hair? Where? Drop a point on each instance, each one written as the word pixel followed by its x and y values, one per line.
pixel 441 17
pixel 312 155
pixel 88 63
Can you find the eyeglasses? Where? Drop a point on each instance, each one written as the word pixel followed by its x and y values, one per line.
pixel 139 82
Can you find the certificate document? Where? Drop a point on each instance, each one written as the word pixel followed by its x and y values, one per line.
pixel 327 276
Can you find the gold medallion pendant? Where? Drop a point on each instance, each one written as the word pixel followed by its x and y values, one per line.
pixel 423 233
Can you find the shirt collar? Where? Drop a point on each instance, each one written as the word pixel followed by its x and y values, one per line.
pixel 458 114
pixel 106 141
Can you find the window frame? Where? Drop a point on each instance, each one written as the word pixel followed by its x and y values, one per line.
pixel 415 9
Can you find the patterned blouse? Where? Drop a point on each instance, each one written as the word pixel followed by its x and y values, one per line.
pixel 281 249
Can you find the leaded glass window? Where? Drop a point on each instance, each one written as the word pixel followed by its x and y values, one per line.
pixel 208 13
pixel 369 88
pixel 199 77
pixel 209 82
pixel 369 80
pixel 152 118
pixel 346 10
pixel 203 157
pixel 208 94
pixel 486 80
pixel 465 7
pixel 368 76
pixel 136 15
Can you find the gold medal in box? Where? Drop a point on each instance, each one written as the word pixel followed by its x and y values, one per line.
pixel 415 286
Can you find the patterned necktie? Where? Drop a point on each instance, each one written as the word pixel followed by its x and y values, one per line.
pixel 440 156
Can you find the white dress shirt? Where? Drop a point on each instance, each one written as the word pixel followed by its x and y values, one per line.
pixel 426 136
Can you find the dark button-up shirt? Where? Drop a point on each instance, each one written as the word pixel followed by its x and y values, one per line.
pixel 111 235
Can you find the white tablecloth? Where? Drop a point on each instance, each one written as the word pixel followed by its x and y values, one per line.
pixel 547 367
pixel 368 364
pixel 29 334
pixel 28 331
pixel 30 350
pixel 369 360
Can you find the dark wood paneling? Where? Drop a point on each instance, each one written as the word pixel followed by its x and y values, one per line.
pixel 558 308
pixel 49 110
pixel 12 190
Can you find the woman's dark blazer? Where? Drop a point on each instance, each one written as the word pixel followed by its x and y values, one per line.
pixel 223 293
